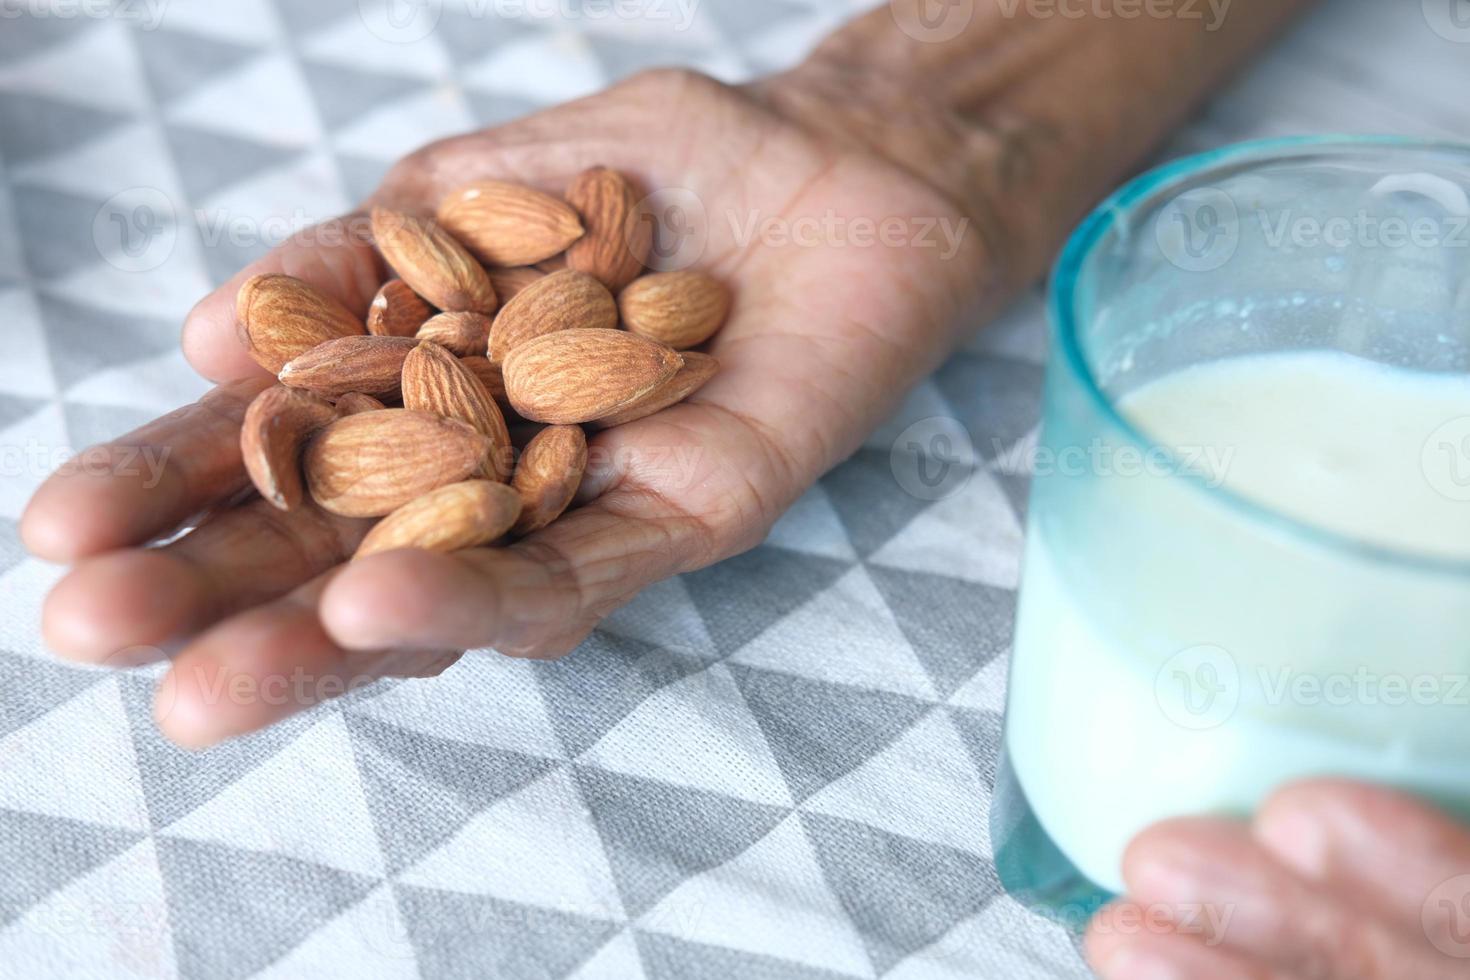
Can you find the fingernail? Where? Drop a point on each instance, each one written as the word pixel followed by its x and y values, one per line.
pixel 1295 838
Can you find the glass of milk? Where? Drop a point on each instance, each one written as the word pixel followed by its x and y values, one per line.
pixel 1248 552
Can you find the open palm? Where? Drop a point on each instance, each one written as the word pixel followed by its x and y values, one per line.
pixel 831 323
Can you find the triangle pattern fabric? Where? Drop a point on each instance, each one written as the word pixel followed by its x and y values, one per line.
pixel 657 834
pixel 263 810
pixel 12 553
pixel 669 958
pixel 869 500
pixel 696 732
pixel 178 63
pixel 33 687
pixel 982 734
pixel 100 785
pixel 210 161
pixel 846 635
pixel 370 935
pixel 224 906
pixel 175 780
pixel 618 959
pixel 346 94
pixel 976 628
pixel 970 534
pixel 33 127
pixel 998 400
pixel 903 894
pixel 951 811
pixel 819 732
pixel 537 846
pixel 41 853
pixel 96 339
pixel 609 677
pixel 741 596
pixel 420 789
pixel 772 900
pixel 113 919
pixel 478 936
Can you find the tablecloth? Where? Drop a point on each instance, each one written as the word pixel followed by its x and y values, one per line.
pixel 778 767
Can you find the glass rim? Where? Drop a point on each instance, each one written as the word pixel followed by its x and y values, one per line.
pixel 1118 209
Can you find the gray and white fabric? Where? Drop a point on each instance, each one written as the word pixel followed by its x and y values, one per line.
pixel 779 767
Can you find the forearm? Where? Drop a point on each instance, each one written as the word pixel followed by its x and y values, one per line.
pixel 1035 108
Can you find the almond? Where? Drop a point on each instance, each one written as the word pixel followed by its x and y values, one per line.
pixel 371 464
pixel 371 365
pixel 432 263
pixel 618 240
pixel 554 264
pixel 435 381
pixel 490 376
pixel 560 301
pixel 355 402
pixel 681 309
pixel 464 334
pixel 509 282
pixel 508 224
pixel 277 425
pixel 397 311
pixel 279 317
pixel 575 376
pixel 460 515
pixel 548 474
pixel 698 368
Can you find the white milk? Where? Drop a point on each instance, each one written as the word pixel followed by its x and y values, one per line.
pixel 1104 741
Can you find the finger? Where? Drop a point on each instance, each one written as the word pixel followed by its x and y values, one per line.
pixel 336 257
pixel 267 664
pixel 120 602
pixel 145 484
pixel 539 598
pixel 1387 849
pixel 1127 941
pixel 1273 915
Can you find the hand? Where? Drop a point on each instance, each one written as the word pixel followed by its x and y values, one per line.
pixel 1005 132
pixel 1330 880
pixel 820 345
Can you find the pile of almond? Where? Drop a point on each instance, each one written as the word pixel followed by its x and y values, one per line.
pixel 510 304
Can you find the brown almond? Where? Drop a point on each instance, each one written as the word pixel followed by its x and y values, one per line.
pixel 397 311
pixel 434 380
pixel 681 309
pixel 371 365
pixel 432 262
pixel 554 264
pixel 371 464
pixel 277 425
pixel 560 301
pixel 548 475
pixel 575 376
pixel 280 317
pixel 464 334
pixel 698 368
pixel 460 515
pixel 490 376
pixel 508 224
pixel 618 240
pixel 355 403
pixel 509 282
